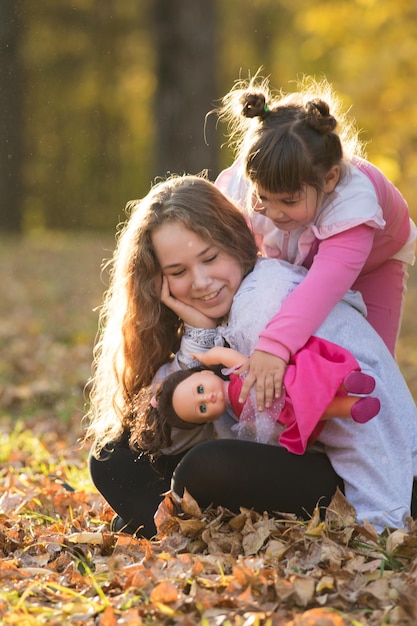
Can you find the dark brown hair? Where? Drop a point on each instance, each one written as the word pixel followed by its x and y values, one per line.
pixel 289 141
pixel 292 146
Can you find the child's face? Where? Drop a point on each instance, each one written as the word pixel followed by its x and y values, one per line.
pixel 199 273
pixel 200 398
pixel 288 211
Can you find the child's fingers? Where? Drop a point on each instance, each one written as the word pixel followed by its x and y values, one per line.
pixel 250 380
pixel 266 371
pixel 265 390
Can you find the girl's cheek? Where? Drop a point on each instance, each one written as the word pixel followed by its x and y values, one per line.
pixel 176 287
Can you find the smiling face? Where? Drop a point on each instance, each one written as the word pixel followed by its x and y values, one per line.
pixel 200 398
pixel 288 211
pixel 199 273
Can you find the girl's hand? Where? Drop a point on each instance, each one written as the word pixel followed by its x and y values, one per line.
pixel 267 371
pixel 187 313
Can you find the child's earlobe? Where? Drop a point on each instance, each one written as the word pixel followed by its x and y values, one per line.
pixel 331 179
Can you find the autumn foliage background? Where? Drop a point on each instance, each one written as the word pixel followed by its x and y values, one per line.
pixel 87 89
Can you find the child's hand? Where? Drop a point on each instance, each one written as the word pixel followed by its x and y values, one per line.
pixel 187 313
pixel 267 371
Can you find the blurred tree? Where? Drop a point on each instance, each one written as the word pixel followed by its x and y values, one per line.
pixel 116 93
pixel 88 100
pixel 184 34
pixel 11 116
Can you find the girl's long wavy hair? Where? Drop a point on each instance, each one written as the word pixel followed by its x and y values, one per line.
pixel 137 333
pixel 287 141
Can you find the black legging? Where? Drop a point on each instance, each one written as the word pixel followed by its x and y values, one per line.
pixel 226 472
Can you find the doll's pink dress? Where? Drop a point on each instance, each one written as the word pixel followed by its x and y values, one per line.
pixel 312 380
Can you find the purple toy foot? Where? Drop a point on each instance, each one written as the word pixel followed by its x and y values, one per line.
pixel 359 383
pixel 365 409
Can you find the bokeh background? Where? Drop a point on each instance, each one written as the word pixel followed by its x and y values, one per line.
pixel 99 97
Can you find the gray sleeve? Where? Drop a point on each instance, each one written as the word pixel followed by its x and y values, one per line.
pixel 196 340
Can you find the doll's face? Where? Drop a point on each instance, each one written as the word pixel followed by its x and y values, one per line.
pixel 200 398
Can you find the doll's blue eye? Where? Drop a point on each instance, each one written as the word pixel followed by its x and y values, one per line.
pixel 200 389
pixel 203 408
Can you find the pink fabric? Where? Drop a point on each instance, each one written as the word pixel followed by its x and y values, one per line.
pixel 312 380
pixel 395 211
pixel 233 391
pixel 334 269
pixel 384 313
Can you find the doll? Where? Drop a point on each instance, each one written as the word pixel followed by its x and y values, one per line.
pixel 202 394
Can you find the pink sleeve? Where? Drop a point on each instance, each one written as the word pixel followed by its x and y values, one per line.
pixel 336 266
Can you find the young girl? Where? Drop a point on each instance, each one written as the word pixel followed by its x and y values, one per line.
pixel 317 384
pixel 186 277
pixel 313 201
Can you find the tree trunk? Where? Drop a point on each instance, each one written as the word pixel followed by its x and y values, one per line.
pixel 185 51
pixel 11 117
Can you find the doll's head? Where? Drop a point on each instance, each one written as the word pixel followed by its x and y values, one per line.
pixel 201 397
pixel 191 397
pixel 154 416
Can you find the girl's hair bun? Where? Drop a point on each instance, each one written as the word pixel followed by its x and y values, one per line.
pixel 254 105
pixel 318 116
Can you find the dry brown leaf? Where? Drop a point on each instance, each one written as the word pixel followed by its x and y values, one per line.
pixel 318 617
pixel 303 590
pixel 340 513
pixel 190 506
pixel 107 618
pixel 165 592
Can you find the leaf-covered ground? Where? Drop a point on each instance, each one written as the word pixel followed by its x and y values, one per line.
pixel 60 564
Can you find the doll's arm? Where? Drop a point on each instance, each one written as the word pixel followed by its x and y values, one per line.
pixel 219 355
